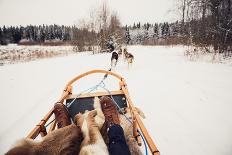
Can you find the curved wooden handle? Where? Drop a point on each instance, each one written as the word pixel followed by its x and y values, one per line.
pixel 93 72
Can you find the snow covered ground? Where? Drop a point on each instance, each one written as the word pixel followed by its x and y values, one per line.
pixel 14 53
pixel 187 104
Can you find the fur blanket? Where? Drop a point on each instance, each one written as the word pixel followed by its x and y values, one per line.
pixel 63 141
pixel 93 143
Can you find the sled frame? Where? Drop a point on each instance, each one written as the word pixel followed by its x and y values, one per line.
pixel 67 94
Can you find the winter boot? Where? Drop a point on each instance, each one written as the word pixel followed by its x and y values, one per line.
pixel 109 109
pixel 61 115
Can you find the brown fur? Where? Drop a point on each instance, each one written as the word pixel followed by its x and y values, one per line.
pixel 92 127
pixel 133 146
pixel 63 141
pixel 99 118
pixel 93 142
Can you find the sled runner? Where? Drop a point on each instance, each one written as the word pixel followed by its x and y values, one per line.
pixel 79 103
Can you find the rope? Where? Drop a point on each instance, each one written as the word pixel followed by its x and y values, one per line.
pixel 91 89
pixel 144 142
pixel 87 90
pixel 50 122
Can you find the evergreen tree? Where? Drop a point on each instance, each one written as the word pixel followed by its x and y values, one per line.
pixel 1 36
pixel 134 27
pixel 16 35
pixel 167 30
pixel 127 34
pixel 156 31
pixel 138 26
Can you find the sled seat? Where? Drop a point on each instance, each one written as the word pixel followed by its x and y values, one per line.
pixel 86 101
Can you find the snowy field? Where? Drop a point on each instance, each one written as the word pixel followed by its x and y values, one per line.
pixel 187 104
pixel 14 53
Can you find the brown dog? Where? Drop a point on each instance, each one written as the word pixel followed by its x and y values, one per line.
pixel 120 52
pixel 128 57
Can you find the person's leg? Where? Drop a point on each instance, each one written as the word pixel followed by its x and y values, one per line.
pixel 117 141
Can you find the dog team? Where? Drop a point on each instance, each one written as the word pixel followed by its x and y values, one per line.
pixel 128 57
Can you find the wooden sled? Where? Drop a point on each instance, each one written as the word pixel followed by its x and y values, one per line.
pixel 85 102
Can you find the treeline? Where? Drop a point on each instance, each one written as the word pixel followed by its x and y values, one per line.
pixel 41 34
pixel 203 23
pixel 154 34
pixel 207 23
pixel 100 31
pixel 31 33
pixel 136 34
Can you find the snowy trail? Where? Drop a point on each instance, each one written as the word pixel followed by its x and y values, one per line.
pixel 187 104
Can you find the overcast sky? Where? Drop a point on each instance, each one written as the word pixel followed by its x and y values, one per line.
pixel 67 12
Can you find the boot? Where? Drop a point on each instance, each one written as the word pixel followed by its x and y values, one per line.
pixel 61 115
pixel 109 109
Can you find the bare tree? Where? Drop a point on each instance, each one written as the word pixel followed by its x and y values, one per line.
pixel 101 25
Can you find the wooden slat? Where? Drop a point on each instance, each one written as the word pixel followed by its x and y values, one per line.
pixel 66 93
pixel 92 72
pixel 146 135
pixel 34 133
pixel 135 133
pixel 143 129
pixel 86 95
